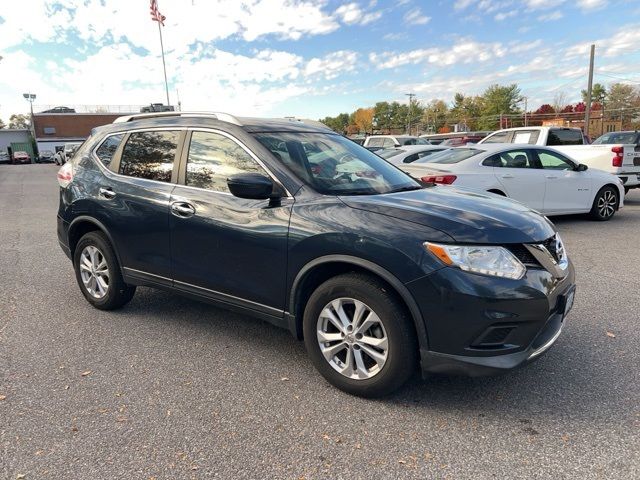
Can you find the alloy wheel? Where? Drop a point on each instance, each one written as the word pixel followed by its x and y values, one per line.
pixel 607 204
pixel 94 271
pixel 352 338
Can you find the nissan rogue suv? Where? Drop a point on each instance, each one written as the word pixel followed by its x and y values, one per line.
pixel 287 221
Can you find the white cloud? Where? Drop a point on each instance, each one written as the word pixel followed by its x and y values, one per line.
pixel 592 4
pixel 332 65
pixel 504 15
pixel 548 17
pixel 353 14
pixel 416 17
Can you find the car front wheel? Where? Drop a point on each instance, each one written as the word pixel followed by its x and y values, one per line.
pixel 98 273
pixel 605 204
pixel 359 335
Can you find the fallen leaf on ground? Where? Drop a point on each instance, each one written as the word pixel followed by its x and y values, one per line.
pixel 84 374
pixel 20 476
pixel 402 461
pixel 611 334
pixel 284 379
pixel 2 397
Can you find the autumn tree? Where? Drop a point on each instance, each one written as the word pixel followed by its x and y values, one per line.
pixel 545 109
pixel 363 119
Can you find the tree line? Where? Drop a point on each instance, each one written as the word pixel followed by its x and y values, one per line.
pixel 498 106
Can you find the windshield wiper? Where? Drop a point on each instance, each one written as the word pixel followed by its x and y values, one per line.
pixel 408 188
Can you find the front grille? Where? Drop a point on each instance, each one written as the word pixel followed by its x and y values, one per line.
pixel 550 244
pixel 522 254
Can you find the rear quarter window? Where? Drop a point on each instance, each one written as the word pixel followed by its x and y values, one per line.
pixel 108 148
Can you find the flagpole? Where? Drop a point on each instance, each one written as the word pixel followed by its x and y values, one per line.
pixel 164 66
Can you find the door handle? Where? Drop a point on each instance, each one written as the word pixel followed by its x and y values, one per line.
pixel 107 193
pixel 182 209
pixel 507 176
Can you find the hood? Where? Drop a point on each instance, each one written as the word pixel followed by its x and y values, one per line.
pixel 467 216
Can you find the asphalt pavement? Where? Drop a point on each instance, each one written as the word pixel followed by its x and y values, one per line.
pixel 169 388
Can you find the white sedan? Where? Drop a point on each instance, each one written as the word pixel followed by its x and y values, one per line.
pixel 540 177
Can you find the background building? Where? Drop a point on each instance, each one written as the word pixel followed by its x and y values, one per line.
pixel 14 140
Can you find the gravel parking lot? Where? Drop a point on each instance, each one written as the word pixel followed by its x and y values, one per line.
pixel 172 388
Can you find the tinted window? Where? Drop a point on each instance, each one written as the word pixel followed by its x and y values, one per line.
pixel 388 143
pixel 560 136
pixel 511 159
pixel 624 138
pixel 149 155
pixel 454 155
pixel 213 158
pixel 107 150
pixel 553 161
pixel 500 137
pixel 375 142
pixel 390 152
pixel 340 167
pixel 411 158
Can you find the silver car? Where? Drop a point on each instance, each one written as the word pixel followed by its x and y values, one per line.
pixel 409 153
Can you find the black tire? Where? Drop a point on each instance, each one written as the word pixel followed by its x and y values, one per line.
pixel 118 292
pixel 626 190
pixel 605 204
pixel 402 348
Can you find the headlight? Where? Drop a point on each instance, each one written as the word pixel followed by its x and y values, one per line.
pixel 486 260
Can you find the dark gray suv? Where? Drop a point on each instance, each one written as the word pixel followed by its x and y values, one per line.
pixel 287 221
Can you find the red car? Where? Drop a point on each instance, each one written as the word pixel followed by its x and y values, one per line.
pixel 21 157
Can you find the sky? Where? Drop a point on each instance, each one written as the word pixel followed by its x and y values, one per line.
pixel 308 58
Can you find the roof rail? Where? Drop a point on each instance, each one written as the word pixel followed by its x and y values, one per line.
pixel 223 117
pixel 308 121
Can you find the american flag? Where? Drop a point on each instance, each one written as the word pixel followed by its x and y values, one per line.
pixel 156 16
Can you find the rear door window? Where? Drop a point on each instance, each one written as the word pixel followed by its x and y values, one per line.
pixel 150 155
pixel 521 158
pixel 564 136
pixel 107 149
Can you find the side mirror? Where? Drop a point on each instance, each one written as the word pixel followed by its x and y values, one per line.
pixel 254 186
pixel 581 167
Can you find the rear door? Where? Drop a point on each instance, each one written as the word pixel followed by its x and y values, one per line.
pixel 517 172
pixel 134 203
pixel 567 190
pixel 224 247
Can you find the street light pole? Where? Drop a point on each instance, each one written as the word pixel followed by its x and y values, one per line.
pixel 30 97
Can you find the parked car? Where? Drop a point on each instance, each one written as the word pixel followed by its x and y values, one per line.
pixel 60 110
pixel 378 142
pixel 4 158
pixel 46 156
pixel 540 177
pixel 21 157
pixel 58 158
pixel 69 150
pixel 157 107
pixel 409 153
pixel 459 141
pixel 370 268
pixel 619 138
pixel 619 159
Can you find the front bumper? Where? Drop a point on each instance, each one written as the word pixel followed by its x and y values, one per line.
pixel 481 325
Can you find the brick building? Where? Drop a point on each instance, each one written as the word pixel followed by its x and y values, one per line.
pixel 53 130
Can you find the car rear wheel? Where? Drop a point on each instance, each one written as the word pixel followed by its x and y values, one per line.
pixel 605 204
pixel 98 273
pixel 359 335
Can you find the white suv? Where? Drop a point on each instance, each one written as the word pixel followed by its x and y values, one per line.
pixel 376 142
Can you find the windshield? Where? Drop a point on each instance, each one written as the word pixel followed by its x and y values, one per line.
pixel 334 165
pixel 412 141
pixel 624 138
pixel 454 155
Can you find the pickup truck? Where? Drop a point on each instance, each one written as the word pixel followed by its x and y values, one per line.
pixel 622 160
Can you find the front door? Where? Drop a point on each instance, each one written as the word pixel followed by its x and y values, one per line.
pixel 224 247
pixel 567 189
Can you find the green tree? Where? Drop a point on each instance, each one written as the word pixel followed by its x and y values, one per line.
pixel 338 124
pixel 434 115
pixel 620 101
pixel 382 115
pixel 496 100
pixel 19 120
pixel 2 124
pixel 598 93
pixel 466 110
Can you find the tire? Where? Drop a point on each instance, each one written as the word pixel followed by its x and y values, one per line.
pixel 95 253
pixel 605 204
pixel 372 378
pixel 626 190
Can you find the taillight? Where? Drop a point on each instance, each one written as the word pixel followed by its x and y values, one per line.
pixel 444 179
pixel 617 160
pixel 65 174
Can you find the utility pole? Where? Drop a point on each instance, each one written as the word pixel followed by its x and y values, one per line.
pixel 525 112
pixel 587 112
pixel 410 95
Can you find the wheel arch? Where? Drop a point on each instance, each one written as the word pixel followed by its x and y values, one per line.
pixel 82 225
pixel 323 268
